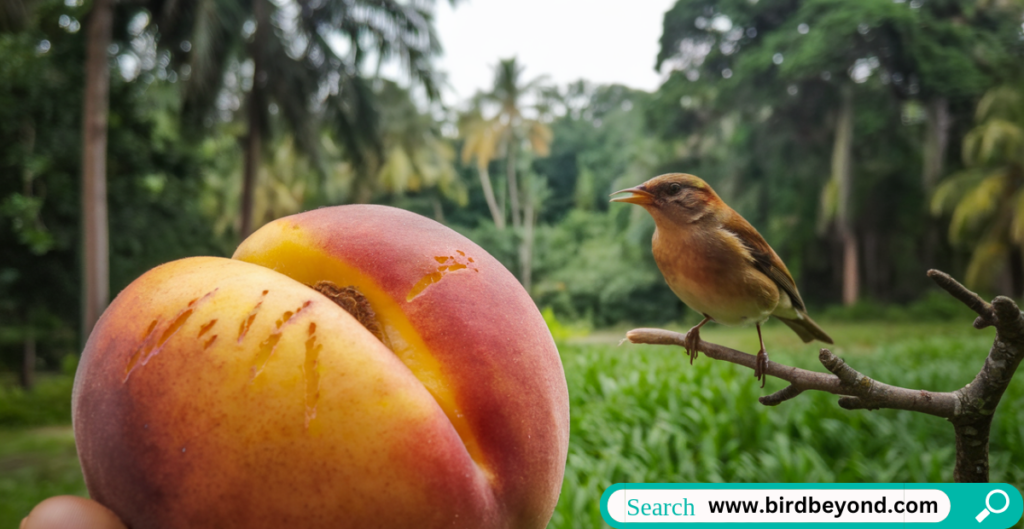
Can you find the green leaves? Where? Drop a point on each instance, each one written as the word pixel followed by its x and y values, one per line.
pixel 23 212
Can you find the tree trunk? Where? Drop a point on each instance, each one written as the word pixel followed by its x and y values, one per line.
pixel 492 204
pixel 252 164
pixel 28 361
pixel 526 244
pixel 843 174
pixel 256 106
pixel 851 282
pixel 513 185
pixel 95 245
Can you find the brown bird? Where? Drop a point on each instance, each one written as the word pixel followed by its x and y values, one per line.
pixel 717 263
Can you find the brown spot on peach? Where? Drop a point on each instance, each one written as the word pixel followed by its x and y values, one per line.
pixel 206 328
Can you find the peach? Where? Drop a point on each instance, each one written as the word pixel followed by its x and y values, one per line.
pixel 230 393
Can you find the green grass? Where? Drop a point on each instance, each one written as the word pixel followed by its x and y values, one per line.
pixel 643 414
pixel 49 402
pixel 36 463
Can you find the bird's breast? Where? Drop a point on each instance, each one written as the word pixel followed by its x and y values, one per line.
pixel 712 273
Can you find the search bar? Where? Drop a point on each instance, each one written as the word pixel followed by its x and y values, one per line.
pixel 812 505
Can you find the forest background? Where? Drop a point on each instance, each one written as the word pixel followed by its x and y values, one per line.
pixel 867 141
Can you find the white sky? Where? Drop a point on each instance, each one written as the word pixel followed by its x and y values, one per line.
pixel 603 41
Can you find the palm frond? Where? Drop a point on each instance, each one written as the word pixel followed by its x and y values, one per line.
pixel 949 192
pixel 215 38
pixel 977 205
pixel 1003 101
pixel 994 140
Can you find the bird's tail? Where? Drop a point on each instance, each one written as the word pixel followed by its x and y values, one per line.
pixel 806 329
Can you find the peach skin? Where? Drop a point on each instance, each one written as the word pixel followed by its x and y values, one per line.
pixel 354 366
pixel 717 263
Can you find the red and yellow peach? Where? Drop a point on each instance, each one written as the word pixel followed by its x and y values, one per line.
pixel 231 393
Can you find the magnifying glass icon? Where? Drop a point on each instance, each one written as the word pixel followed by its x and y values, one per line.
pixel 988 506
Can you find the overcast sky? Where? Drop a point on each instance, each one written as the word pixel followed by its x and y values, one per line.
pixel 604 41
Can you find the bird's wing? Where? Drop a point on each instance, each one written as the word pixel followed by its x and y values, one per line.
pixel 764 258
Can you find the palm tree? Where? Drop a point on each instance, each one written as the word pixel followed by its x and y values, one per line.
pixel 481 143
pixel 502 134
pixel 306 60
pixel 505 134
pixel 513 127
pixel 987 198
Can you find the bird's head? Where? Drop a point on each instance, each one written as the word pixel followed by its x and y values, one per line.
pixel 679 197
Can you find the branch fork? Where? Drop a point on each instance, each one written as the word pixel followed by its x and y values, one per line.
pixel 969 408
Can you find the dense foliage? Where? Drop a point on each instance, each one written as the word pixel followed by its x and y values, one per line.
pixel 753 100
pixel 153 174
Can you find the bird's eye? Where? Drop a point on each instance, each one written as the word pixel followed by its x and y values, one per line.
pixel 675 188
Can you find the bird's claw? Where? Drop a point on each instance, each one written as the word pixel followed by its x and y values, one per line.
pixel 690 342
pixel 761 366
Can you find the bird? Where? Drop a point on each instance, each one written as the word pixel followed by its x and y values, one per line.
pixel 717 263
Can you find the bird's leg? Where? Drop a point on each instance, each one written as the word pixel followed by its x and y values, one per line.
pixel 761 364
pixel 692 338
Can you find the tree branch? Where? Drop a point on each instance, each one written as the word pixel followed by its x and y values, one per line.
pixel 844 381
pixel 986 316
pixel 970 408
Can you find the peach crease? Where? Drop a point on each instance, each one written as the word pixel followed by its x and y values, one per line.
pixel 295 258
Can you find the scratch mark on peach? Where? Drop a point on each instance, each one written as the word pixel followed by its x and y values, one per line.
pixel 206 328
pixel 243 328
pixel 150 347
pixel 449 264
pixel 311 369
pixel 267 346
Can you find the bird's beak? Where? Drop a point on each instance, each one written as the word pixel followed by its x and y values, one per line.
pixel 640 196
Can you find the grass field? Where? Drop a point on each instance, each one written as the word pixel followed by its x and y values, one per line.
pixel 643 414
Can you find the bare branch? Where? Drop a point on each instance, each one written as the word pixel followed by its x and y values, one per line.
pixel 986 316
pixel 844 381
pixel 780 396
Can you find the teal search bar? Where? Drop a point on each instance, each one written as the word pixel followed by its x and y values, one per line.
pixel 980 505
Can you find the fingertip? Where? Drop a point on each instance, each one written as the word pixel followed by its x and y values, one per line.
pixel 71 512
